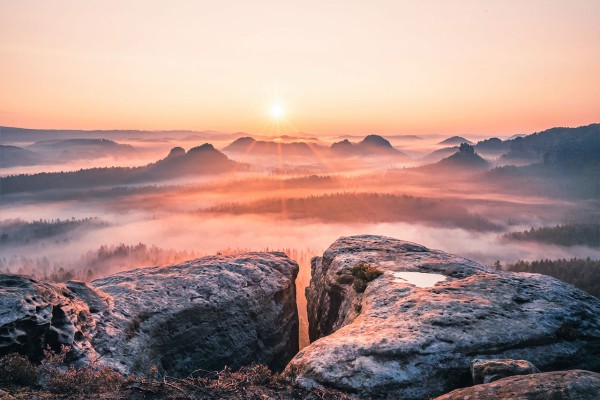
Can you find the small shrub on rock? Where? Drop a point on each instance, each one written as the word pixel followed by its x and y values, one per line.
pixel 363 274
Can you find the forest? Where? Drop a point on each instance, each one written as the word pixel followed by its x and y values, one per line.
pixel 582 273
pixel 94 263
pixel 18 231
pixel 364 207
pixel 199 160
pixel 581 234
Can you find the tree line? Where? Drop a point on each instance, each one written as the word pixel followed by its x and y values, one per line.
pixel 18 231
pixel 583 273
pixel 581 234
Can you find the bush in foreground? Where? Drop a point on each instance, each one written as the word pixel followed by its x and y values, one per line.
pixel 17 370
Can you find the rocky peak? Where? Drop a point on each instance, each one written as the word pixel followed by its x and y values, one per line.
pixel 244 140
pixel 176 152
pixel 206 147
pixel 376 140
pixel 466 149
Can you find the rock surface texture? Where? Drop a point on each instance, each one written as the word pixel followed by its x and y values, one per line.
pixel 558 385
pixel 36 315
pixel 412 332
pixel 201 314
pixel 486 371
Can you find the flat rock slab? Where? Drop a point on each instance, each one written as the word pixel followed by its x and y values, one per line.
pixel 559 385
pixel 404 339
pixel 203 314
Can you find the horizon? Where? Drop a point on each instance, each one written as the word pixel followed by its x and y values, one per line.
pixel 300 134
pixel 321 200
pixel 418 68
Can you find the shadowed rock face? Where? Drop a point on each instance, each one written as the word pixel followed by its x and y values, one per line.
pixel 575 384
pixel 202 314
pixel 36 315
pixel 401 340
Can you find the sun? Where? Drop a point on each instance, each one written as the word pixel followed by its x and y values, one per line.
pixel 277 111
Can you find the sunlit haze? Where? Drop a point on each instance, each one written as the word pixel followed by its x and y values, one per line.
pixel 277 111
pixel 311 199
pixel 352 67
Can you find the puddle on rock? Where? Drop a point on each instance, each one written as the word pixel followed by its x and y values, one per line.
pixel 419 279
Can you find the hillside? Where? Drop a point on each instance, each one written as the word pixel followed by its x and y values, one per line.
pixel 566 148
pixel 251 146
pixel 13 156
pixel 370 145
pixel 455 140
pixel 74 149
pixel 201 160
pixel 465 158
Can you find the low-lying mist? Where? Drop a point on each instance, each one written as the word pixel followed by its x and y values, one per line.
pixel 82 226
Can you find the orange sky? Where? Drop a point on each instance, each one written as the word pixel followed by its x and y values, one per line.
pixel 488 67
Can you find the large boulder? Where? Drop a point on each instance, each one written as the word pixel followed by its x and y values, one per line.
pixel 393 318
pixel 203 314
pixel 558 385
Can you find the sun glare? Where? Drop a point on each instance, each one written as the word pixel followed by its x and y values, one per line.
pixel 277 111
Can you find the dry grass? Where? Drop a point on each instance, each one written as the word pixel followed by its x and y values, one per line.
pixel 53 380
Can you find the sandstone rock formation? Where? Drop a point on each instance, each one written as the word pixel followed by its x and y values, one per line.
pixel 36 315
pixel 201 314
pixel 486 371
pixel 413 330
pixel 558 385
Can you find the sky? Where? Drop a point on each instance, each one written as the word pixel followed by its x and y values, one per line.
pixel 320 67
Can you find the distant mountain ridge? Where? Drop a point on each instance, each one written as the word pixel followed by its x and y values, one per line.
pixel 455 140
pixel 371 145
pixel 13 156
pixel 20 135
pixel 556 146
pixel 251 146
pixel 564 147
pixel 465 159
pixel 75 149
pixel 200 160
pixel 394 137
pixel 61 151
